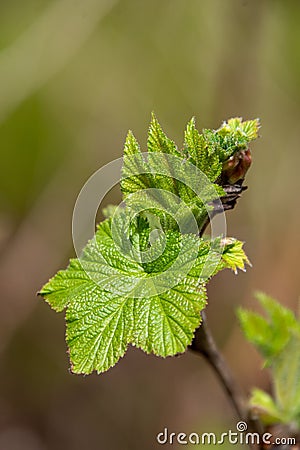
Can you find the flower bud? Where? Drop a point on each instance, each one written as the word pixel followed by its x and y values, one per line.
pixel 236 167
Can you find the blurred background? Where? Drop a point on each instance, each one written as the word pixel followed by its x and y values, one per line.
pixel 74 77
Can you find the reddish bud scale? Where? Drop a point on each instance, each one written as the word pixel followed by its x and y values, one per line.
pixel 236 167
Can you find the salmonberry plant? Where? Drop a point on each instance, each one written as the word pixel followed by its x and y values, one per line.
pixel 142 278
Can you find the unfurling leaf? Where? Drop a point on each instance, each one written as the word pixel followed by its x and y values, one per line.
pixel 277 337
pixel 142 279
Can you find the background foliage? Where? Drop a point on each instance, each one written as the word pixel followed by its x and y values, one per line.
pixel 74 77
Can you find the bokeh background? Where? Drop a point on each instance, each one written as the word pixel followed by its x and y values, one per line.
pixel 74 77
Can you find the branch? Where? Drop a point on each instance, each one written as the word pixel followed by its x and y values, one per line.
pixel 203 342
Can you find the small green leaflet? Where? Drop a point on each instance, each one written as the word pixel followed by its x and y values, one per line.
pixel 277 337
pixel 111 300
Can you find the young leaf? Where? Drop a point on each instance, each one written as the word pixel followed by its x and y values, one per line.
pixel 263 405
pixel 201 153
pixel 152 302
pixel 277 337
pixel 158 141
pixel 193 175
pixel 141 279
pixel 270 335
pixel 235 135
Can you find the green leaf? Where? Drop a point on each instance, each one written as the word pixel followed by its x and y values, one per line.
pixel 235 135
pixel 286 375
pixel 234 256
pixel 264 405
pixel 142 279
pixel 269 334
pixel 256 330
pixel 201 153
pixel 146 294
pixel 192 174
pixel 277 337
pixel 158 141
pixel 241 131
pixel 109 211
pixel 98 330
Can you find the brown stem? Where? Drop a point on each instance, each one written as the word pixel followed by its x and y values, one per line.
pixel 204 344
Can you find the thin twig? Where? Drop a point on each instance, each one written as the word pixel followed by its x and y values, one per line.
pixel 204 344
